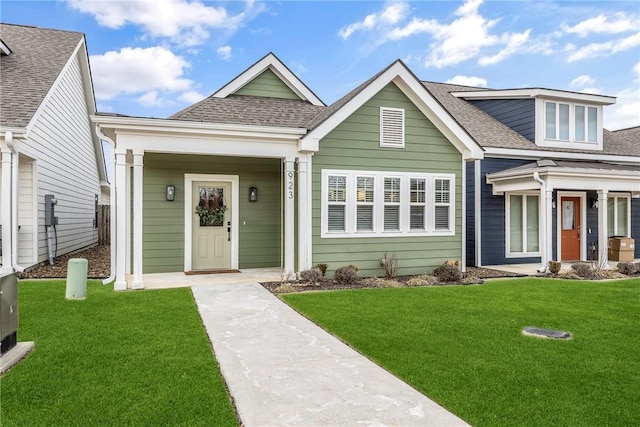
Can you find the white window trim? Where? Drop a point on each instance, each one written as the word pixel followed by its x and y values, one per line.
pixel 378 197
pixel 541 117
pixel 614 197
pixel 507 223
pixel 387 145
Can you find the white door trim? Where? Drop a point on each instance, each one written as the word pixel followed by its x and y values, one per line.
pixel 583 222
pixel 189 179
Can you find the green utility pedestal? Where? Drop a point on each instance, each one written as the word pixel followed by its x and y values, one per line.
pixel 77 278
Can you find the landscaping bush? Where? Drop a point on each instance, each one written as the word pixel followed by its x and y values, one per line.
pixel 583 270
pixel 448 273
pixel 355 267
pixel 390 264
pixel 627 268
pixel 313 275
pixel 322 267
pixel 554 267
pixel 422 280
pixel 346 275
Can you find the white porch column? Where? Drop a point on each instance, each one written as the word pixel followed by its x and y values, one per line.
pixel 304 213
pixel 289 217
pixel 137 219
pixel 6 210
pixel 127 189
pixel 548 241
pixel 603 256
pixel 121 218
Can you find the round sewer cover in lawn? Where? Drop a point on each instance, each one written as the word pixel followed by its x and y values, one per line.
pixel 546 333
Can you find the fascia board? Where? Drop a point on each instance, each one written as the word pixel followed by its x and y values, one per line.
pixel 536 93
pixel 513 153
pixel 145 125
pixel 272 62
pixel 586 174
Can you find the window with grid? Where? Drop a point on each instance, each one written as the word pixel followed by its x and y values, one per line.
pixel 442 204
pixel 391 204
pixel 376 203
pixel 336 200
pixel 418 203
pixel 364 203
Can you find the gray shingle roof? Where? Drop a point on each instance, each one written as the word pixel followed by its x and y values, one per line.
pixel 251 110
pixel 26 75
pixel 489 132
pixel 569 164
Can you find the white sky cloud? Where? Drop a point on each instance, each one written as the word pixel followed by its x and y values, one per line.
pixel 596 50
pixel 151 99
pixel 138 70
pixel 468 81
pixel 603 24
pixel 513 43
pixel 191 97
pixel 582 81
pixel 225 52
pixel 185 22
pixel 626 112
pixel 390 15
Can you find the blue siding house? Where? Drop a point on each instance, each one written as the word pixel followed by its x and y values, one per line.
pixel 553 183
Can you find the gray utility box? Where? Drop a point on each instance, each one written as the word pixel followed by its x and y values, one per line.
pixel 8 312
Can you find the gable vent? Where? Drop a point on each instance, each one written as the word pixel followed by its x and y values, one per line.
pixel 391 127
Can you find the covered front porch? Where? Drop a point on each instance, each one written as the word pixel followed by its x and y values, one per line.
pixel 191 198
pixel 568 210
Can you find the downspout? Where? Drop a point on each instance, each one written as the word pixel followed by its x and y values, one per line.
pixel 15 175
pixel 112 203
pixel 7 161
pixel 542 232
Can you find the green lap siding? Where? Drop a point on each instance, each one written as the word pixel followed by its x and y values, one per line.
pixel 355 145
pixel 268 85
pixel 260 222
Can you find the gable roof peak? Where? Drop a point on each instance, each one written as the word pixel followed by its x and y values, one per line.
pixel 270 62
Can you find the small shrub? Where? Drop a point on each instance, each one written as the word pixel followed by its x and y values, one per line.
pixel 322 267
pixel 285 288
pixel 390 264
pixel 627 268
pixel 346 275
pixel 637 267
pixel 554 267
pixel 313 275
pixel 353 266
pixel 582 270
pixel 422 280
pixel 448 273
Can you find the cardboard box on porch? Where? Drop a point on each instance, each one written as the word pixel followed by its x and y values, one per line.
pixel 621 249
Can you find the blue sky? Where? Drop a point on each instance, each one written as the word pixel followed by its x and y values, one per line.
pixel 155 57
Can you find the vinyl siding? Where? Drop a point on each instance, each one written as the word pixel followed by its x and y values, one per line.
pixel 163 221
pixel 493 239
pixel 635 224
pixel 25 213
pixel 518 114
pixel 355 145
pixel 267 85
pixel 61 141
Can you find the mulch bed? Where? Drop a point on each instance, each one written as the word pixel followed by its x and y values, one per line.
pixel 473 275
pixel 98 260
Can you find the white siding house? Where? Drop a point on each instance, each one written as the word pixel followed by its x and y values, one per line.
pixel 48 147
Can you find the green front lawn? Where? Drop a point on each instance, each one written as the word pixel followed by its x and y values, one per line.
pixel 463 347
pixel 132 358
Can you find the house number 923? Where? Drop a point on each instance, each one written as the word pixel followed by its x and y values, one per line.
pixel 290 185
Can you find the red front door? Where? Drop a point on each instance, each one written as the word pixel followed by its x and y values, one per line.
pixel 570 226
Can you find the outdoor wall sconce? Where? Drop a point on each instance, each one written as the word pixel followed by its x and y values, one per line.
pixel 594 203
pixel 253 194
pixel 171 193
pixel 553 204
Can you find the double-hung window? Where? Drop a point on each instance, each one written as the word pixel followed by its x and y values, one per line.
pixel 557 121
pixel 392 199
pixel 387 204
pixel 523 222
pixel 618 209
pixel 336 202
pixel 586 124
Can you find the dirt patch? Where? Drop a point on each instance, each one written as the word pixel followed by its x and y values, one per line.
pixel 98 258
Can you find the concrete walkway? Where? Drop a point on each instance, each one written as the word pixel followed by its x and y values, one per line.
pixel 283 370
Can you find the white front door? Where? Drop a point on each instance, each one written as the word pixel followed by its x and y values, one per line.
pixel 211 225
